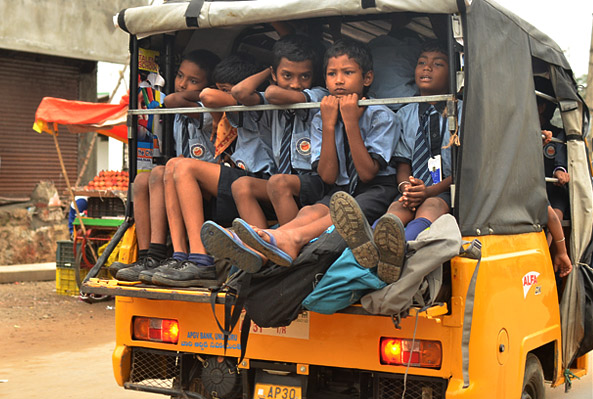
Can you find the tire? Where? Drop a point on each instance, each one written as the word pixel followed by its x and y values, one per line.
pixel 533 382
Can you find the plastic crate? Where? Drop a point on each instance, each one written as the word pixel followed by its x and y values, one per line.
pixel 65 254
pixel 66 279
pixel 100 207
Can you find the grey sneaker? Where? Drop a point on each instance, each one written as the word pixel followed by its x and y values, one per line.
pixel 117 266
pixel 146 275
pixel 186 274
pixel 389 236
pixel 131 273
pixel 354 228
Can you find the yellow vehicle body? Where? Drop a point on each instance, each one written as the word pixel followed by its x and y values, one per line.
pixel 516 312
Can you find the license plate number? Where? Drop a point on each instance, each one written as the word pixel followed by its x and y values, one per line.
pixel 270 391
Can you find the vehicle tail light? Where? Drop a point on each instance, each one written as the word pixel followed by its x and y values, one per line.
pixel 157 330
pixel 400 352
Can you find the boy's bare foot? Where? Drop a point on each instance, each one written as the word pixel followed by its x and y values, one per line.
pixel 280 247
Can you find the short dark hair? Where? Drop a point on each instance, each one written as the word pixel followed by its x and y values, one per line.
pixel 295 48
pixel 205 59
pixel 438 46
pixel 544 85
pixel 355 50
pixel 235 68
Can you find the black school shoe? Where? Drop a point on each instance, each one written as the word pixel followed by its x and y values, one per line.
pixel 146 275
pixel 117 266
pixel 131 273
pixel 186 274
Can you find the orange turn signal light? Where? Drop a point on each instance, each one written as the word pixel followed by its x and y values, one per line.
pixel 416 353
pixel 156 330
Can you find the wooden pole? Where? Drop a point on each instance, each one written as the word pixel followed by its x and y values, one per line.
pixel 82 227
pixel 86 160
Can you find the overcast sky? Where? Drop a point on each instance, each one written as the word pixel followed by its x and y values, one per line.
pixel 568 22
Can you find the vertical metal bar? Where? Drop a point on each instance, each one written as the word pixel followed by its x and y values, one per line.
pixel 452 115
pixel 132 124
pixel 168 147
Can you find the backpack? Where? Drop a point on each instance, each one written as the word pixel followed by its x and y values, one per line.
pixel 273 296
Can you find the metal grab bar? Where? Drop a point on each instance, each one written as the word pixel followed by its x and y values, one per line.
pixel 267 107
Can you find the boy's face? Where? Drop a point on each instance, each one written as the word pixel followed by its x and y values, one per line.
pixel 190 77
pixel 344 76
pixel 224 87
pixel 432 73
pixel 292 75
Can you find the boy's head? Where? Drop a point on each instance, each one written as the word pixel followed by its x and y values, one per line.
pixel 348 68
pixel 295 61
pixel 195 71
pixel 432 68
pixel 233 69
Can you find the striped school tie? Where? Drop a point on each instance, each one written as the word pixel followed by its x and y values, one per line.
pixel 350 168
pixel 421 149
pixel 185 137
pixel 284 163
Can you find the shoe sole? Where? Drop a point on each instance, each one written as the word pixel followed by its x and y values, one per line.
pixel 126 275
pixel 251 238
pixel 145 278
pixel 221 245
pixel 159 279
pixel 352 225
pixel 390 239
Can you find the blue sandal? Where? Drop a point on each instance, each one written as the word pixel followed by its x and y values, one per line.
pixel 224 244
pixel 269 249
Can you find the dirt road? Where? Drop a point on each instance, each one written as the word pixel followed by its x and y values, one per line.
pixel 57 347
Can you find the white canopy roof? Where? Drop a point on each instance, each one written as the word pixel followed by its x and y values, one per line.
pixel 168 17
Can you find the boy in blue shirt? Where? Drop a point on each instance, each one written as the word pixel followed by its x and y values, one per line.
pixel 194 183
pixel 351 150
pixel 423 176
pixel 295 184
pixel 193 75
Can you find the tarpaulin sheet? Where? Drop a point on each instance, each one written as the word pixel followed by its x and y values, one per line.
pixel 82 117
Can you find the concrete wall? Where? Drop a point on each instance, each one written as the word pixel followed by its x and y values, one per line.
pixel 67 28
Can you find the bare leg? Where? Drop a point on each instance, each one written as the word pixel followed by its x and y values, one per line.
pixel 404 214
pixel 247 191
pixel 158 216
pixel 142 210
pixel 432 208
pixel 310 222
pixel 282 190
pixel 174 216
pixel 194 181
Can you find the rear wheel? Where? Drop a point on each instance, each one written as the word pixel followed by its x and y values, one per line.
pixel 533 382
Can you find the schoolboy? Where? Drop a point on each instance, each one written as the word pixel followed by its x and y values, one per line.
pixel 194 183
pixel 423 177
pixel 292 73
pixel 352 146
pixel 193 75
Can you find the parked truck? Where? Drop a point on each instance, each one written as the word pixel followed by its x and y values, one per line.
pixel 500 331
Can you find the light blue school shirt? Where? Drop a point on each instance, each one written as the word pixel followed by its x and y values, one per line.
pixel 377 128
pixel 200 129
pixel 273 123
pixel 253 147
pixel 407 123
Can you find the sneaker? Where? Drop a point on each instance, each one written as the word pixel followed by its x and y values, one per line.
pixel 146 275
pixel 389 237
pixel 354 228
pixel 131 273
pixel 117 266
pixel 186 274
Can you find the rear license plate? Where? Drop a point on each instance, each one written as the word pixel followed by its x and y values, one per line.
pixel 273 391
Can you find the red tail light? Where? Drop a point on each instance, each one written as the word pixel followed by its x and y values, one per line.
pixel 400 352
pixel 157 330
